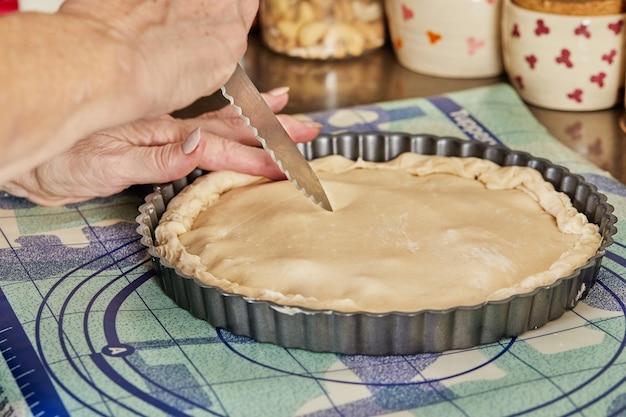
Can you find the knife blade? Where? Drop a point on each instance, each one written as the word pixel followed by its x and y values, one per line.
pixel 259 117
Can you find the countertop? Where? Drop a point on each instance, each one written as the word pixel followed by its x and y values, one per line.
pixel 378 77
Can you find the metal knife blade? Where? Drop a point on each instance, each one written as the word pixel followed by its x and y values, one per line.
pixel 259 117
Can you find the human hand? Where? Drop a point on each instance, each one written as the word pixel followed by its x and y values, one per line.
pixel 178 50
pixel 155 151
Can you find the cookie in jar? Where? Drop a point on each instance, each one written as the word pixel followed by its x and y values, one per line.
pixel 322 29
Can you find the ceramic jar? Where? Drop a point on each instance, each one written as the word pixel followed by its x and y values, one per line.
pixel 564 62
pixel 447 38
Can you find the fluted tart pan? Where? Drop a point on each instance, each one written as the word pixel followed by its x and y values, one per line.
pixel 395 332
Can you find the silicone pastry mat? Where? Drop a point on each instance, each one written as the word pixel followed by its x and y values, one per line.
pixel 85 331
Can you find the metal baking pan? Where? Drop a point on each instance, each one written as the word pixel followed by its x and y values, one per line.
pixel 389 333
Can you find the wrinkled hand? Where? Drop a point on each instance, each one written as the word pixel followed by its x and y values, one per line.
pixel 151 151
pixel 178 50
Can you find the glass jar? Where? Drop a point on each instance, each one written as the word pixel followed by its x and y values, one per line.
pixel 322 29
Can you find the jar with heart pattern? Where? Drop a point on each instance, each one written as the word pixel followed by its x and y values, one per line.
pixel 447 38
pixel 561 61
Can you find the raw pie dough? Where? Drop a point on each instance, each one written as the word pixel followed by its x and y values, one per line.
pixel 419 232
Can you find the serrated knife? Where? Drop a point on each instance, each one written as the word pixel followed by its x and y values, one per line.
pixel 259 117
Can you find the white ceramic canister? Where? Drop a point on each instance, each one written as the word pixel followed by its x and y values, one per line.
pixel 564 62
pixel 447 38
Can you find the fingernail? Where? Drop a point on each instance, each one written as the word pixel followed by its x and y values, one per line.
pixel 192 141
pixel 313 124
pixel 278 91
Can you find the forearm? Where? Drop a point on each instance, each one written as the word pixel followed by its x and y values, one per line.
pixel 61 78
